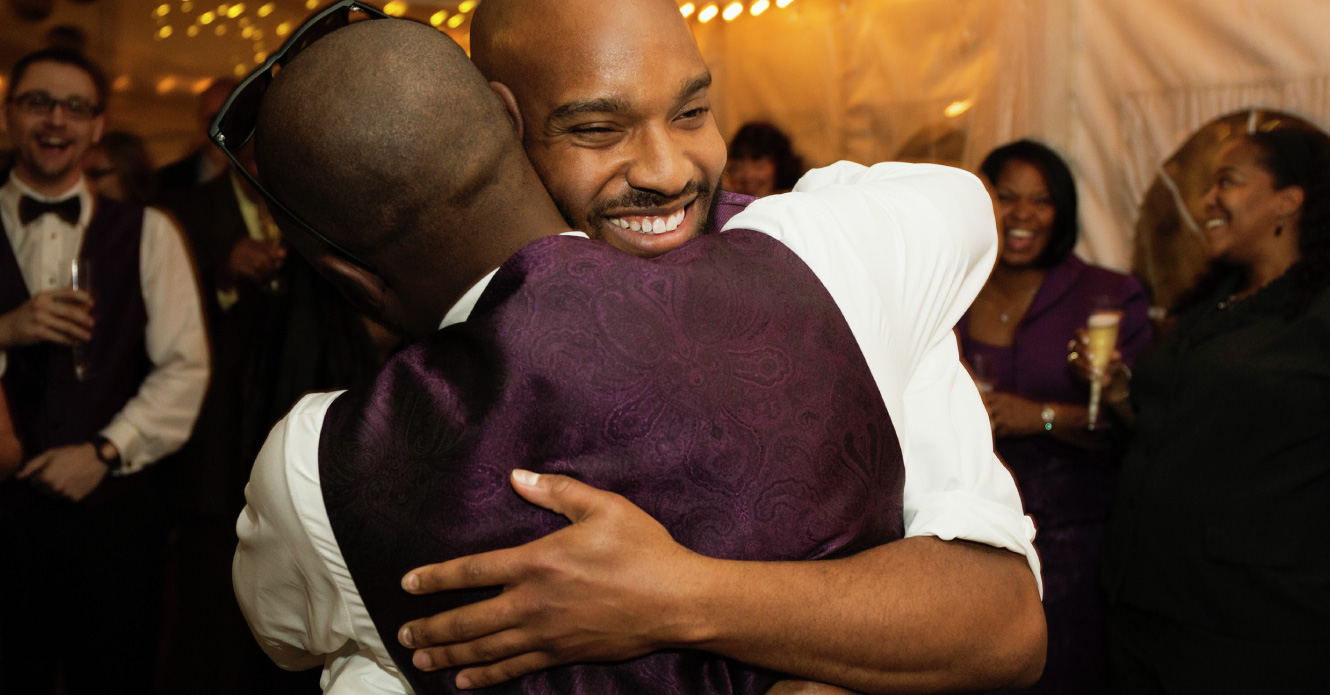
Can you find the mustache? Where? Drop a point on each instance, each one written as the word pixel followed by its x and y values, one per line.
pixel 638 198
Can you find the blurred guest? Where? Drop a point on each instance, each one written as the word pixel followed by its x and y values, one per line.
pixel 1218 555
pixel 101 391
pixel 762 161
pixel 204 163
pixel 117 167
pixel 1015 339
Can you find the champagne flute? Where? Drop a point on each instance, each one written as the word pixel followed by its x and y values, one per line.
pixel 80 278
pixel 983 373
pixel 1101 339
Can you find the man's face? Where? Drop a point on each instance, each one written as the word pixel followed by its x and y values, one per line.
pixel 49 144
pixel 619 126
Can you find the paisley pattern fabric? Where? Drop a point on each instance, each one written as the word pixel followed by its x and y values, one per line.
pixel 717 387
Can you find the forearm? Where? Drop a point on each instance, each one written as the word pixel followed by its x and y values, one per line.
pixel 1071 426
pixel 918 615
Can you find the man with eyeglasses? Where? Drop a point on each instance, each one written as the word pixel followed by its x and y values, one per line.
pixel 947 627
pixel 83 526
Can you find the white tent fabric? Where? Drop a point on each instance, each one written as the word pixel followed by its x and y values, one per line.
pixel 1115 85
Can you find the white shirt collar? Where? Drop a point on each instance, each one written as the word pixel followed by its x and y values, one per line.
pixel 15 188
pixel 461 309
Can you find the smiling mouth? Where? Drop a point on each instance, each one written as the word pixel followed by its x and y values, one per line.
pixel 1215 223
pixel 651 224
pixel 53 143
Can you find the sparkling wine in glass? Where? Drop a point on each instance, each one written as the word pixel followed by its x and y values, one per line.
pixel 1102 339
pixel 80 278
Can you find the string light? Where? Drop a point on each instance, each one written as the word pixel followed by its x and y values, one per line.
pixel 259 58
pixel 200 86
pixel 759 7
pixel 311 4
pixel 783 3
pixel 396 8
pixel 733 10
pixel 121 83
pixel 163 10
pixel 466 6
pixel 164 32
pixel 456 20
pixel 957 108
pixel 186 6
pixel 284 28
pixel 687 9
pixel 437 18
pixel 219 30
pixel 247 32
pixel 206 18
pixel 236 10
pixel 267 9
pixel 707 14
pixel 241 70
pixel 165 85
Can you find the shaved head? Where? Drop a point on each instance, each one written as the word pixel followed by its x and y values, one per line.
pixel 615 113
pixel 384 137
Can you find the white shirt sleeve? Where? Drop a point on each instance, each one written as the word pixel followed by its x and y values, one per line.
pixel 290 579
pixel 160 417
pixel 904 250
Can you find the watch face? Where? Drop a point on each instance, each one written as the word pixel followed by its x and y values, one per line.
pixel 1047 413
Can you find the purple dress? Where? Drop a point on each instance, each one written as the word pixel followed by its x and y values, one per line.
pixel 1065 488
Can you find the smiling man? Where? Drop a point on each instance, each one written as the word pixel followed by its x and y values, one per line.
pixel 84 506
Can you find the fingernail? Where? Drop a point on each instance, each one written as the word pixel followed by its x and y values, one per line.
pixel 404 636
pixel 463 683
pixel 526 478
pixel 422 661
pixel 411 582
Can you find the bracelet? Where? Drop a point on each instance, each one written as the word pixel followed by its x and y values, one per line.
pixel 99 444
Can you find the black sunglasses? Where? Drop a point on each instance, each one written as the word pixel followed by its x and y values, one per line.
pixel 234 125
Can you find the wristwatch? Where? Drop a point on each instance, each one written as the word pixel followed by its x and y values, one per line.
pixel 1047 415
pixel 106 452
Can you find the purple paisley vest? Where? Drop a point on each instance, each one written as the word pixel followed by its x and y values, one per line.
pixel 718 387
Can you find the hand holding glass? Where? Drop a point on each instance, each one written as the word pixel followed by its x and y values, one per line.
pixel 80 278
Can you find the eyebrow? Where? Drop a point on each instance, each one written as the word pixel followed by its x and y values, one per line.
pixel 620 105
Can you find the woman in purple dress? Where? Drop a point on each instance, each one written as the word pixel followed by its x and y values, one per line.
pixel 1015 338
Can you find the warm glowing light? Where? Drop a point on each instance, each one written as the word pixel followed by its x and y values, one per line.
pixel 206 18
pixel 284 28
pixel 219 30
pixel 244 22
pixel 311 4
pixel 258 34
pixel 267 10
pixel 186 6
pixel 201 86
pixel 396 8
pixel 236 10
pixel 164 32
pixel 466 6
pixel 687 9
pixel 241 70
pixel 222 8
pixel 260 47
pixel 456 20
pixel 759 7
pixel 732 10
pixel 192 30
pixel 957 108
pixel 247 32
pixel 163 10
pixel 783 3
pixel 707 14
pixel 437 18
pixel 259 58
pixel 165 85
pixel 120 84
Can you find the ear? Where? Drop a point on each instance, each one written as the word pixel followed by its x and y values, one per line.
pixel 510 103
pixel 1291 199
pixel 98 125
pixel 366 291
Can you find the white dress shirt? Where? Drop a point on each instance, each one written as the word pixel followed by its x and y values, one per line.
pixel 902 248
pixel 159 418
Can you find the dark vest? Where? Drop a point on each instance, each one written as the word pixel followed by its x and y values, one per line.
pixel 728 205
pixel 717 387
pixel 49 406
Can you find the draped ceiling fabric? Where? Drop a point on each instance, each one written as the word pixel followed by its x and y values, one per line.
pixel 1116 86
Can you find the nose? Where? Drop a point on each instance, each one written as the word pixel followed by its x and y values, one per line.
pixel 56 116
pixel 1211 199
pixel 659 163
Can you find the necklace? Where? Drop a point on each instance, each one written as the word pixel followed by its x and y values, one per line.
pixel 1004 317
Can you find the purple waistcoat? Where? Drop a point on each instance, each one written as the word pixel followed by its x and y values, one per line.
pixel 49 406
pixel 718 387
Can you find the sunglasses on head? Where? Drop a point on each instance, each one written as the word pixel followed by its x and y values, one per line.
pixel 234 124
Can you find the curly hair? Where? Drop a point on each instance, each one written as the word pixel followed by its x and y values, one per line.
pixel 1061 190
pixel 758 139
pixel 1293 157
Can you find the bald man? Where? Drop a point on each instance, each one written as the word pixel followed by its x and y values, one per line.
pixel 614 114
pixel 426 250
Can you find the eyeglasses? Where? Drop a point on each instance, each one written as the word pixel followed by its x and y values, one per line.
pixel 234 125
pixel 41 103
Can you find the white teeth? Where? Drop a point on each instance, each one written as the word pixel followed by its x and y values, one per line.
pixel 1020 233
pixel 1216 222
pixel 652 225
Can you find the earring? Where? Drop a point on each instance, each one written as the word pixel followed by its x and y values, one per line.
pixel 1280 229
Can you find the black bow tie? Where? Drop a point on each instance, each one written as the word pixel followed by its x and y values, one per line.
pixel 30 208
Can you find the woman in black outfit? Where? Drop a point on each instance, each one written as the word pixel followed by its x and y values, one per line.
pixel 1217 562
